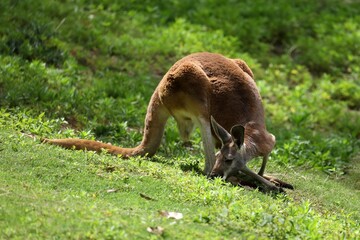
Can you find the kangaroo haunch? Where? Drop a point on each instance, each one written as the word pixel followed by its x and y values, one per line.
pixel 196 90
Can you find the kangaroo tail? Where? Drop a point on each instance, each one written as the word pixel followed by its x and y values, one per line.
pixel 83 144
pixel 155 121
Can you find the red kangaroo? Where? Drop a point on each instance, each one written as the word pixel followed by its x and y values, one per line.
pixel 196 89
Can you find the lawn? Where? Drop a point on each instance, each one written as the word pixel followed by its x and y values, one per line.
pixel 88 69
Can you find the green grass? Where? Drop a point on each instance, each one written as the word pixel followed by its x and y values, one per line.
pixel 88 68
pixel 49 192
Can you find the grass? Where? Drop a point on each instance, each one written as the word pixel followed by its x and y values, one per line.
pixel 49 192
pixel 88 68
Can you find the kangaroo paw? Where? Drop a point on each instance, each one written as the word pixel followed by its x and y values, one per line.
pixel 278 182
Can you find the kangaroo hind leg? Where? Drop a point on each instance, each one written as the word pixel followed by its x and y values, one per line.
pixel 186 127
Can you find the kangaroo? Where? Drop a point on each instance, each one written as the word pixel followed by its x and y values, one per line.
pixel 238 147
pixel 196 88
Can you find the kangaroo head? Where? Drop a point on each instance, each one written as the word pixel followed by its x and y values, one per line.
pixel 232 157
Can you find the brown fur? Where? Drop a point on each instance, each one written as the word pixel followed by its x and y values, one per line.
pixel 196 87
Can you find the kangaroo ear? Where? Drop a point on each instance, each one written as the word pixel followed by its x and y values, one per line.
pixel 220 132
pixel 238 133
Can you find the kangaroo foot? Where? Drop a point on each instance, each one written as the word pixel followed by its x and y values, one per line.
pixel 246 182
pixel 278 182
